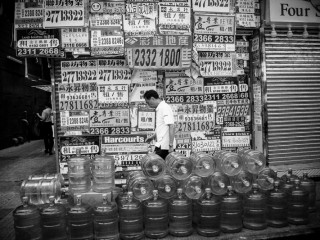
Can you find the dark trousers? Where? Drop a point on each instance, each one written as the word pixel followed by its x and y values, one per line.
pixel 161 152
pixel 47 135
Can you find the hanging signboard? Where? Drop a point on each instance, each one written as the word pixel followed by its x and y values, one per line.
pixel 109 121
pixel 113 95
pixel 38 43
pixel 146 119
pixel 214 6
pixel 60 14
pixel 245 6
pixel 214 32
pixel 138 89
pixel 183 90
pixel 202 141
pixel 68 146
pixel 116 71
pixel 175 17
pixel 74 121
pixel 246 20
pixel 140 18
pixel 159 52
pixel 107 6
pixel 28 15
pixel 74 39
pixel 217 64
pixel 76 71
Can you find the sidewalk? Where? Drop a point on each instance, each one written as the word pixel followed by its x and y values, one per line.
pixel 16 164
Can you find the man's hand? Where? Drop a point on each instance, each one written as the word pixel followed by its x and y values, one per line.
pixel 149 139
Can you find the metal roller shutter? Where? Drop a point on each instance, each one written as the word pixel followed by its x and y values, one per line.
pixel 293 97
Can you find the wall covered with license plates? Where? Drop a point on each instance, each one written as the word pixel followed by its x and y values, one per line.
pixel 106 54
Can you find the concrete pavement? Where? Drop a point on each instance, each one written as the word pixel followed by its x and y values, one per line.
pixel 16 164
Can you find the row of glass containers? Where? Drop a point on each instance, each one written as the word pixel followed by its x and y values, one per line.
pixel 156 217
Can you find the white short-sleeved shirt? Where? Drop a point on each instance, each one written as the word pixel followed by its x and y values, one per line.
pixel 164 117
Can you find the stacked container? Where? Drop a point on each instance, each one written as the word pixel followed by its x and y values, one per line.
pixel 156 217
pixel 228 162
pixel 79 173
pixel 242 182
pixel 103 173
pixel 309 186
pixel 253 161
pixel 140 185
pixel 203 164
pixel 166 186
pixel 193 187
pixel 219 182
pixel 266 178
pixel 179 166
pixel 153 166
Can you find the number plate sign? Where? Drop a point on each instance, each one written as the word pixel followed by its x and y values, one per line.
pixel 38 43
pixel 29 14
pixel 224 65
pixel 109 118
pixel 205 126
pixel 89 146
pixel 116 95
pixel 74 121
pixel 59 14
pixel 113 71
pixel 108 6
pixel 76 71
pixel 159 52
pixel 214 32
pixel 125 143
pixel 74 38
pixel 203 142
pixel 140 19
pixel 175 17
pixel 233 111
pixel 216 6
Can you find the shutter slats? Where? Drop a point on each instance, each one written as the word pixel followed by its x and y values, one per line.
pixel 293 97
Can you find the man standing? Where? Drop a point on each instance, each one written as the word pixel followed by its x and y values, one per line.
pixel 46 128
pixel 164 134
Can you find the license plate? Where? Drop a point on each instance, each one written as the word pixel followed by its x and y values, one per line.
pixel 203 126
pixel 109 130
pixel 184 99
pixel 78 105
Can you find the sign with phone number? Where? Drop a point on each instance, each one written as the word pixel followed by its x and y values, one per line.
pixel 219 67
pixel 233 110
pixel 206 145
pixel 159 58
pixel 235 141
pixel 78 105
pixel 109 118
pixel 219 6
pixel 224 96
pixel 184 99
pixel 203 126
pixel 63 13
pixel 109 130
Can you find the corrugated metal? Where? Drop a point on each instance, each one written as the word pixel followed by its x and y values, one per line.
pixel 293 97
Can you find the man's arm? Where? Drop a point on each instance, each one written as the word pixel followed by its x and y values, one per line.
pixel 171 136
pixel 149 139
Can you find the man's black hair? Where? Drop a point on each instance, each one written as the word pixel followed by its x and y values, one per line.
pixel 150 93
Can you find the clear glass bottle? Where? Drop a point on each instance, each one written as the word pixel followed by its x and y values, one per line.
pixel 131 218
pixel 167 186
pixel 179 166
pixel 277 209
pixel 106 220
pixel 253 161
pixel 79 221
pixel 298 204
pixel 242 182
pixel 180 215
pixel 193 187
pixel 103 173
pixel 266 178
pixel 228 162
pixel 156 217
pixel 203 164
pixel 231 212
pixel 53 221
pixel 27 221
pixel 140 185
pixel 153 166
pixel 255 209
pixel 219 182
pixel 208 211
